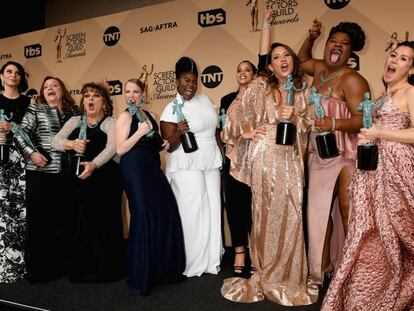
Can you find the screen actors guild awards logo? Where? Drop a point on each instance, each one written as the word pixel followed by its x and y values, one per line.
pixel 284 11
pixel 254 13
pixel 393 42
pixel 144 77
pixel 58 40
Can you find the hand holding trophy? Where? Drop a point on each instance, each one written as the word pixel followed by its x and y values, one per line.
pixel 4 147
pixel 83 126
pixel 286 130
pixel 187 137
pixel 325 141
pixel 136 110
pixel 368 152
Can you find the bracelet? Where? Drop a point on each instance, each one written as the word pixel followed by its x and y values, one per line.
pixel 267 26
pixel 333 125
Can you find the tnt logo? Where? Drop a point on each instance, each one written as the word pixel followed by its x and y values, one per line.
pixel 212 76
pixel 212 18
pixel 111 36
pixel 353 61
pixel 337 4
pixel 115 87
pixel 33 50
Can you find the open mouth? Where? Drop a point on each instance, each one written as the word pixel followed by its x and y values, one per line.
pixel 389 71
pixel 335 55
pixel 91 106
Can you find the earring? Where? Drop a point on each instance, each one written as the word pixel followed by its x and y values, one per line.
pixel 2 82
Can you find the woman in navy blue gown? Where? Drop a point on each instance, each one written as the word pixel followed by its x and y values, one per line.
pixel 156 253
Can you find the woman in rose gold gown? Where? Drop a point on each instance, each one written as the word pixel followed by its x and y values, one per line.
pixel 275 175
pixel 377 268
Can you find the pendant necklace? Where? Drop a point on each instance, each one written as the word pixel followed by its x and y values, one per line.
pixel 329 78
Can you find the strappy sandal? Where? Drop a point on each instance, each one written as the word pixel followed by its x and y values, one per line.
pixel 239 271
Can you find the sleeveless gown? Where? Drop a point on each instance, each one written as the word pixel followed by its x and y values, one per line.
pixel 156 253
pixel 377 268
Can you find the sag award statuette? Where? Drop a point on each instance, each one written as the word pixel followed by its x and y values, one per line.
pixel 83 126
pixel 367 153
pixel 135 110
pixel 4 147
pixel 187 138
pixel 286 130
pixel 325 141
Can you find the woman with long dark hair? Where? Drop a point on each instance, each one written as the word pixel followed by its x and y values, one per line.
pixel 275 175
pixel 377 267
pixel 12 182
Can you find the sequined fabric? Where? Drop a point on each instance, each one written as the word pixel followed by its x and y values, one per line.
pixel 275 175
pixel 377 268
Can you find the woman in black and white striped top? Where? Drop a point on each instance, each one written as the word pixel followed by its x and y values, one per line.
pixel 48 202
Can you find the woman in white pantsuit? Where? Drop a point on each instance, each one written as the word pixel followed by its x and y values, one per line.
pixel 195 176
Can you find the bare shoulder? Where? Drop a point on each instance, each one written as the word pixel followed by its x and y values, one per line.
pixel 125 116
pixel 353 80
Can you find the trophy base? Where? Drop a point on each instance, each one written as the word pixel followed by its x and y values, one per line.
pixel 188 141
pixel 4 154
pixel 368 157
pixel 285 133
pixel 156 140
pixel 79 168
pixel 326 144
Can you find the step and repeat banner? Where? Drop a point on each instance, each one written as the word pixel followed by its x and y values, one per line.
pixel 145 43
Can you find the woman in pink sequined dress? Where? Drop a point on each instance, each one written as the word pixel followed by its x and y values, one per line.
pixel 377 268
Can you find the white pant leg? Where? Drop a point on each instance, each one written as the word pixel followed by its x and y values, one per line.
pixel 216 250
pixel 190 190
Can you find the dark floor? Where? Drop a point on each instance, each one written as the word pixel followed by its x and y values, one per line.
pixel 197 293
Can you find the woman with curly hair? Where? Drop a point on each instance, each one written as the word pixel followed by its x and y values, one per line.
pixel 97 253
pixel 343 89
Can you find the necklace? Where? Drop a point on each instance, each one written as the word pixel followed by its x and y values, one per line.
pixel 329 78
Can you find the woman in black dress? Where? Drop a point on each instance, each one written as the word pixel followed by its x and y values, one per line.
pixel 12 183
pixel 97 254
pixel 237 195
pixel 156 245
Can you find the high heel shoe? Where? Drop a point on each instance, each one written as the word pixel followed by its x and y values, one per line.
pixel 239 271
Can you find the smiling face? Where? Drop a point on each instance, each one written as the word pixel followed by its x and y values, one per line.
pixel 187 85
pixel 11 76
pixel 133 92
pixel 245 73
pixel 93 103
pixel 52 91
pixel 337 50
pixel 399 65
pixel 281 62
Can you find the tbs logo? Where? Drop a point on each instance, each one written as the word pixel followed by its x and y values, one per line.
pixel 353 61
pixel 337 4
pixel 212 18
pixel 212 76
pixel 111 36
pixel 115 87
pixel 33 50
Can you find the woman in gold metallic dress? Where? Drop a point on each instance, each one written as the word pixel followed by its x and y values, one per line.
pixel 275 175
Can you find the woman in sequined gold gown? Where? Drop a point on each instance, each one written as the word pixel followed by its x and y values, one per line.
pixel 377 268
pixel 275 175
